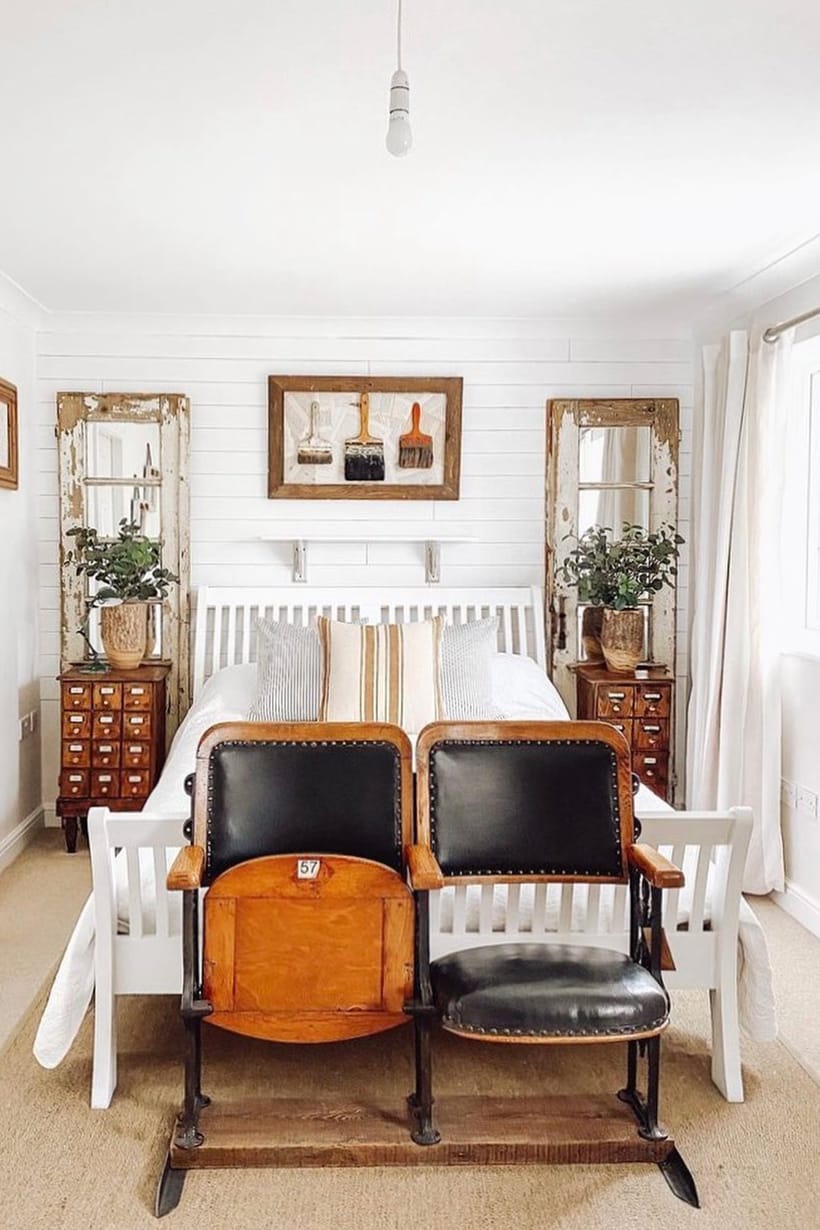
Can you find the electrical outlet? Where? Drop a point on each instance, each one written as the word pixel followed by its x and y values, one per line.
pixel 807 801
pixel 788 793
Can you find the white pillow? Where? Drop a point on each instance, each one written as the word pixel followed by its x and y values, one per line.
pixel 522 690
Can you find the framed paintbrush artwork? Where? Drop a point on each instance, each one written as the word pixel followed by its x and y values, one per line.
pixel 364 438
pixel 8 435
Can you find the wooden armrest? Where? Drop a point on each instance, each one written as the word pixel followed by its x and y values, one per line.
pixel 658 870
pixel 186 869
pixel 425 872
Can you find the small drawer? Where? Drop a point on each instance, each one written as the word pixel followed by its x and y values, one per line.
pixel 624 727
pixel 136 725
pixel 615 700
pixel 137 695
pixel 77 725
pixel 107 725
pixel 652 769
pixel 105 754
pixel 76 754
pixel 105 784
pixel 651 734
pixel 136 755
pixel 653 700
pixel 74 784
pixel 76 696
pixel 108 696
pixel 135 785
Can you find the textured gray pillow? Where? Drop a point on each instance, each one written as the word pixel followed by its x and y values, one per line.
pixel 466 670
pixel 289 673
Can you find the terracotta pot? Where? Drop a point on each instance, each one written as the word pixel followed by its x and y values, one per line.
pixel 591 621
pixel 622 636
pixel 123 629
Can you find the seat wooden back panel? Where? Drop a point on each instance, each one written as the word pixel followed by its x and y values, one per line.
pixel 312 948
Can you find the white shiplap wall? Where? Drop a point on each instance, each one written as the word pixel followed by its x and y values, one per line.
pixel 510 369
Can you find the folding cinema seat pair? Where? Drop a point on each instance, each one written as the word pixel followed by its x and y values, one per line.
pixel 318 851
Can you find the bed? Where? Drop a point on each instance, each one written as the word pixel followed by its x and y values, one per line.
pixel 127 939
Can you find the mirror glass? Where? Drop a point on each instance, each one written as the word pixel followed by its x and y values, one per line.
pixel 122 450
pixel 107 506
pixel 614 454
pixel 612 507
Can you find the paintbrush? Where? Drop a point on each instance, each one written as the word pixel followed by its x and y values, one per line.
pixel 313 450
pixel 364 454
pixel 415 448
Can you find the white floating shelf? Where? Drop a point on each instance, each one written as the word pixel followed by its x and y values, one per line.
pixel 431 541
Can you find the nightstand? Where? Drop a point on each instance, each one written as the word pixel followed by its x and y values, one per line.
pixel 112 744
pixel 641 709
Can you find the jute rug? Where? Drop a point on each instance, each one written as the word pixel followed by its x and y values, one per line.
pixel 65 1166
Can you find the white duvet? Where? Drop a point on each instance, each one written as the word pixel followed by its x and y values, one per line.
pixel 520 690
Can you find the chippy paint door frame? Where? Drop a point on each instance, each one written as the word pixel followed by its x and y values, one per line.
pixel 565 418
pixel 172 412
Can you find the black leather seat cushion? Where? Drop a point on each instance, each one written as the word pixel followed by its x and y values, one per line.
pixel 547 990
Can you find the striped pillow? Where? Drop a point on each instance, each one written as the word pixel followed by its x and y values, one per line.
pixel 467 652
pixel 289 673
pixel 381 672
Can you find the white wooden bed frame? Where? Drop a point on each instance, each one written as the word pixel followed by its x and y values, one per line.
pixel 147 960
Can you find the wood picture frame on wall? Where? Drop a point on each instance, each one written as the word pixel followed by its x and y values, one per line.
pixel 8 435
pixel 364 438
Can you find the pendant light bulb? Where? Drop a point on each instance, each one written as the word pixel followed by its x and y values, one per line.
pixel 399 135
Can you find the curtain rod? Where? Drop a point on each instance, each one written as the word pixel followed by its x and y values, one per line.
pixel 774 331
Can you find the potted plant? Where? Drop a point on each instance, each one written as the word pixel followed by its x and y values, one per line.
pixel 619 573
pixel 130 570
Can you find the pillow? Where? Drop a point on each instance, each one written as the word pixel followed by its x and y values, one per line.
pixel 289 673
pixel 467 651
pixel 521 689
pixel 381 672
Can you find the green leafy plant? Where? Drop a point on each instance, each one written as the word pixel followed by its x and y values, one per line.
pixel 620 572
pixel 129 567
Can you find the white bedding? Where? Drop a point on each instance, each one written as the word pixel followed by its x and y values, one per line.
pixel 520 690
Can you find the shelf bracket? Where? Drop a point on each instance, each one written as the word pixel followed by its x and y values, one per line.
pixel 299 561
pixel 432 562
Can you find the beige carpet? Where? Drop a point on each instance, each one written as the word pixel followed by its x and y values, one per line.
pixel 65 1166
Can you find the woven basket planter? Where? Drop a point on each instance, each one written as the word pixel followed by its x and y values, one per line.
pixel 124 629
pixel 622 635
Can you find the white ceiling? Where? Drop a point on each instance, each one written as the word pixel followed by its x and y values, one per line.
pixel 570 155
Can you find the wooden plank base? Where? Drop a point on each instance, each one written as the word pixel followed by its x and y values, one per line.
pixel 475 1130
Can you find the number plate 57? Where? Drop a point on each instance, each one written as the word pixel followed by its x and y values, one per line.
pixel 307 868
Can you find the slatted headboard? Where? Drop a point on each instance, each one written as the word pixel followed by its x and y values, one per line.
pixel 225 619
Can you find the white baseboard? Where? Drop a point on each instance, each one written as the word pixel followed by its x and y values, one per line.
pixel 801 905
pixel 19 837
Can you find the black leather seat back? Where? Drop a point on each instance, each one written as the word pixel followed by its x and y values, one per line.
pixel 302 796
pixel 526 807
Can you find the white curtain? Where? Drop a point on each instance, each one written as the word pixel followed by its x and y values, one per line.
pixel 733 736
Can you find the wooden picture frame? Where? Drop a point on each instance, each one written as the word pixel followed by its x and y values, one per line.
pixel 313 421
pixel 8 435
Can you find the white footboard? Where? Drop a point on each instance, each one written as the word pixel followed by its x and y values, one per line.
pixel 138 946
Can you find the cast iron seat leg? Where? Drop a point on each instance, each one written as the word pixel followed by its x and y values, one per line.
pixel 424 1133
pixel 169 1188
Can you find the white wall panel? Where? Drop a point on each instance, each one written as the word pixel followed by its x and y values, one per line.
pixel 510 369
